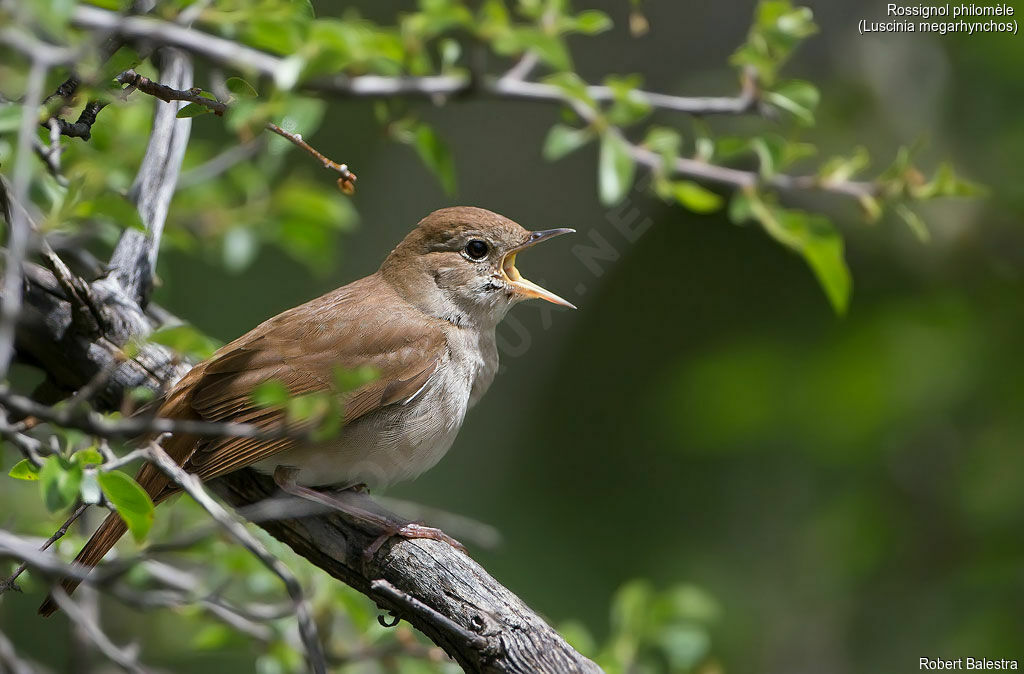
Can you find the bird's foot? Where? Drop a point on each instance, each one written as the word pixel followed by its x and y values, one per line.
pixel 410 531
pixel 356 503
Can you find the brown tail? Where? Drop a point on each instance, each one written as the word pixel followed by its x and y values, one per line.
pixel 105 537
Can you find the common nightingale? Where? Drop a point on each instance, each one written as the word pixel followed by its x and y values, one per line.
pixel 424 323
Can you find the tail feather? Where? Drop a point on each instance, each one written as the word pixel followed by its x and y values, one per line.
pixel 99 545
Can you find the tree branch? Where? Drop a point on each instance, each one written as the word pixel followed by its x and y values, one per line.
pixel 130 427
pixel 346 183
pixel 247 59
pixel 194 488
pixel 439 590
pixel 134 260
pixel 82 127
pixel 509 87
pixel 19 229
pixel 127 657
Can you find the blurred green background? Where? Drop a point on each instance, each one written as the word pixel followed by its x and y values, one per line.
pixel 849 492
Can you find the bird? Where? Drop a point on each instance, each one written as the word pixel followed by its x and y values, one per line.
pixel 424 324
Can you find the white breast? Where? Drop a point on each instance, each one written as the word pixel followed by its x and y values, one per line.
pixel 403 440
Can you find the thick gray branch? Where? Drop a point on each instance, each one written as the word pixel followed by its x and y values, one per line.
pixel 441 591
pixel 133 263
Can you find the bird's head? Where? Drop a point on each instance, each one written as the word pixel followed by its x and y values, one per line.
pixel 460 264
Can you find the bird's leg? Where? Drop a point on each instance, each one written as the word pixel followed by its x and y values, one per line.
pixel 377 518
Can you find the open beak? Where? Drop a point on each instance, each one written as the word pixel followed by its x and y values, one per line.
pixel 523 286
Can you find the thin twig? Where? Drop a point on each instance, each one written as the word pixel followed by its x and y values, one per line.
pixel 87 315
pixel 96 424
pixel 9 659
pixel 221 163
pixel 410 603
pixel 50 154
pixel 18 232
pixel 235 527
pixel 44 53
pixel 346 183
pixel 125 657
pixel 11 582
pixel 167 94
pixel 29 447
pixel 82 127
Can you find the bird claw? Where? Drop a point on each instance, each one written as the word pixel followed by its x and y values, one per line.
pixel 409 532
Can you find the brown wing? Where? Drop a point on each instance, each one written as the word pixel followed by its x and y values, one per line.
pixel 301 348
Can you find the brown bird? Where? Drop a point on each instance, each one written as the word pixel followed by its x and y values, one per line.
pixel 424 322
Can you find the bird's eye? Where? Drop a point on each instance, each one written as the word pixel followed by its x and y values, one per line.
pixel 476 249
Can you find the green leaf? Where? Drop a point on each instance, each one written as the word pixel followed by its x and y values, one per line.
pixel 241 88
pixel 840 169
pixel 212 637
pixel 436 155
pixel 87 457
pixel 451 52
pixel 740 208
pixel 247 114
pixel 24 470
pixel 817 240
pixel 125 58
pixel 630 608
pixel 769 150
pixel 193 110
pixel 592 22
pixel 777 30
pixel 115 5
pixel 579 637
pixel 549 48
pixel 270 394
pixel 666 142
pixel 628 107
pixel 52 15
pixel 572 86
pixel 346 380
pixel 90 488
pixel 140 395
pixel 562 140
pixel 945 183
pixel 616 169
pixel 186 340
pixel 10 117
pixel 695 197
pixel 872 207
pixel 914 222
pixel 130 501
pixel 322 408
pixel 823 250
pixel 797 97
pixel 59 482
pixel 240 247
pixel 304 218
pixel 112 207
pixel 309 406
pixel 703 143
pixel 301 115
pixel 684 646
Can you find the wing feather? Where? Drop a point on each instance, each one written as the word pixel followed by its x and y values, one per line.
pixel 301 348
